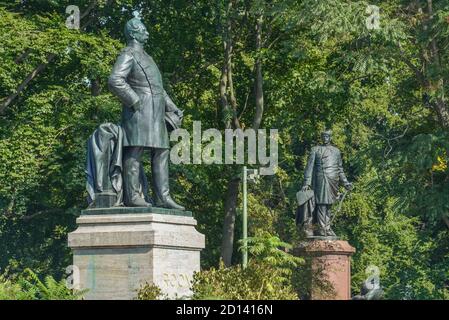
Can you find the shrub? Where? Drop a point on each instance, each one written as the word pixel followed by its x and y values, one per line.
pixel 257 282
pixel 28 286
pixel 150 292
pixel 267 276
pixel 10 290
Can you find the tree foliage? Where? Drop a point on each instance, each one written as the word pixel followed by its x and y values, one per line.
pixel 383 92
pixel 28 286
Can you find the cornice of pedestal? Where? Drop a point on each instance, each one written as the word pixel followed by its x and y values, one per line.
pixel 326 247
pixel 148 230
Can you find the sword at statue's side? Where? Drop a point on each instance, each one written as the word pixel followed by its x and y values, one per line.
pixel 340 202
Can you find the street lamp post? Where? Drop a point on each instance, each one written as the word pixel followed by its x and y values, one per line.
pixel 245 218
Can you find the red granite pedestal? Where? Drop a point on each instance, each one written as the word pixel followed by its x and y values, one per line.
pixel 329 268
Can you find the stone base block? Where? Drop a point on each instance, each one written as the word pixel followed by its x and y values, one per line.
pixel 329 268
pixel 117 253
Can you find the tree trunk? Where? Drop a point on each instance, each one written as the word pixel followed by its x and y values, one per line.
pixel 440 106
pixel 227 86
pixel 227 243
pixel 227 90
pixel 95 88
pixel 442 112
pixel 223 92
pixel 232 97
pixel 223 86
pixel 259 77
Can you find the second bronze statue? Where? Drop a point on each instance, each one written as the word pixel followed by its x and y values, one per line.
pixel 322 177
pixel 137 82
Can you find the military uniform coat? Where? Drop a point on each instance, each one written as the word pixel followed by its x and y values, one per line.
pixel 135 78
pixel 324 172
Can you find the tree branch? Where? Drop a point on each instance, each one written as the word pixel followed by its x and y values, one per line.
pixel 418 73
pixel 10 99
pixel 39 213
pixel 446 221
pixel 22 56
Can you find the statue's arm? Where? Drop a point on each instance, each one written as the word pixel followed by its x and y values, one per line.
pixel 308 172
pixel 170 106
pixel 117 80
pixel 341 172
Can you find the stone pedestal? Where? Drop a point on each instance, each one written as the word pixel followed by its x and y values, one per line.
pixel 329 268
pixel 118 249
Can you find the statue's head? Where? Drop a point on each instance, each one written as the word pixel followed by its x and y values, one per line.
pixel 326 136
pixel 136 30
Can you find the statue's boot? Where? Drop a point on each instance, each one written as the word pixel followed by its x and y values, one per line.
pixel 308 231
pixel 330 233
pixel 159 166
pixel 139 202
pixel 169 203
pixel 327 232
pixel 324 221
pixel 327 227
pixel 131 173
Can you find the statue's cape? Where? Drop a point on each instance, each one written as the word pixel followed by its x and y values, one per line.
pixel 304 196
pixel 306 206
pixel 104 164
pixel 104 161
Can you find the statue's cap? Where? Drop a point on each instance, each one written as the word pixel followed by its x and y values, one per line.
pixel 136 14
pixel 327 131
pixel 133 25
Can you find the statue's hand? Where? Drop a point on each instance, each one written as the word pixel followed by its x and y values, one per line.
pixel 179 113
pixel 136 106
pixel 305 188
pixel 349 186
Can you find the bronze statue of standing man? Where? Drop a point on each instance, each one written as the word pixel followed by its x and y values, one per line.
pixel 323 175
pixel 137 82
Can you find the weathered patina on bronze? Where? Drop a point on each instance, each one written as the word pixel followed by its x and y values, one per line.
pixel 323 175
pixel 137 82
